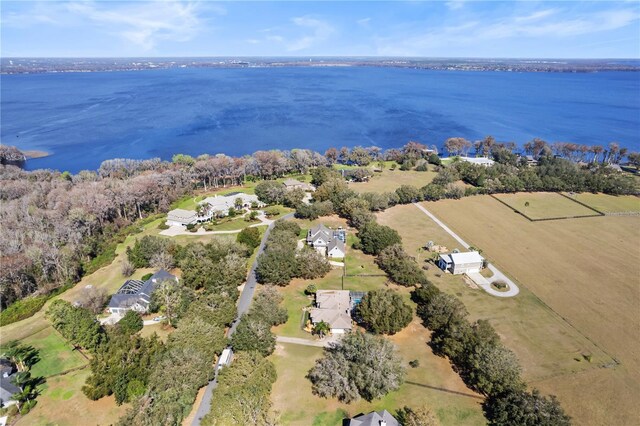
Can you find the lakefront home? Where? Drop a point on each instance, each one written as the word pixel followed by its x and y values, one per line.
pixel 461 263
pixel 334 308
pixel 135 295
pixel 219 205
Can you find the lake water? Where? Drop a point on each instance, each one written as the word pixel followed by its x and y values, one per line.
pixel 85 118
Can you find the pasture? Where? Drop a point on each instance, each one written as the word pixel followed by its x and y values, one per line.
pixel 63 403
pixel 432 383
pixel 389 180
pixel 544 205
pixel 609 203
pixel 579 297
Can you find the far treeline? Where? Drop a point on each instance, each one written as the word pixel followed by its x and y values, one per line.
pixel 58 227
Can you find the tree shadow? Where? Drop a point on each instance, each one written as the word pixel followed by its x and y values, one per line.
pixel 469 395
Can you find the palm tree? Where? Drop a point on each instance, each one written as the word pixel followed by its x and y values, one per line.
pixel 321 329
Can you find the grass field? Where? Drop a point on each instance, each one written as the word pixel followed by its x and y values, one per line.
pixel 433 383
pixel 609 203
pixel 544 205
pixel 56 355
pixel 389 180
pixel 63 404
pixel 579 296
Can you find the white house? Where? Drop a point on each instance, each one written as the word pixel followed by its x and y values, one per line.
pixel 334 308
pixel 336 248
pixel 220 204
pixel 461 263
pixel 179 217
pixel 480 161
pixel 328 242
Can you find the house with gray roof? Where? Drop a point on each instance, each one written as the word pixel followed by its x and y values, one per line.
pixel 328 242
pixel 178 217
pixel 7 388
pixel 334 308
pixel 136 294
pixel 374 418
pixel 291 184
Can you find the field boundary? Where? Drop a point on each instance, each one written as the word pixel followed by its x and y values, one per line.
pixel 598 213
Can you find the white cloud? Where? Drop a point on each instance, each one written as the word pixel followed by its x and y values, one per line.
pixel 146 23
pixel 364 22
pixel 548 23
pixel 455 4
pixel 320 31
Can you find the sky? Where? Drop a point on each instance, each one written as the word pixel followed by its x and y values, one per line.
pixel 518 29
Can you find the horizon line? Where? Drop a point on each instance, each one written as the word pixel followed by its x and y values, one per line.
pixel 326 57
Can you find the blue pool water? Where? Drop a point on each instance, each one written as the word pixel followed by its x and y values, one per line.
pixel 85 118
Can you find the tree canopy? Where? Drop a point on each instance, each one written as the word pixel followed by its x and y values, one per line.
pixel 384 312
pixel 358 366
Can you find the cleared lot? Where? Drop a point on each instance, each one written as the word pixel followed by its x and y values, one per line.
pixel 586 270
pixel 609 203
pixel 544 205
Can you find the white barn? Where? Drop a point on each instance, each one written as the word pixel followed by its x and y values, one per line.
pixel 461 263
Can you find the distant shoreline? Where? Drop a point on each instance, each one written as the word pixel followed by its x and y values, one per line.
pixel 78 65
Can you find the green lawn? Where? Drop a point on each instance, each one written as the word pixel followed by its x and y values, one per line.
pixel 433 384
pixel 56 355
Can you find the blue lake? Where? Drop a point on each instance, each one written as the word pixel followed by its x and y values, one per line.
pixel 85 118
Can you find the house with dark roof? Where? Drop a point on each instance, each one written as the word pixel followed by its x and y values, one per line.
pixel 328 242
pixel 374 418
pixel 7 388
pixel 136 294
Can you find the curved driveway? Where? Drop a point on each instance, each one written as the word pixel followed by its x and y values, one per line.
pixel 482 282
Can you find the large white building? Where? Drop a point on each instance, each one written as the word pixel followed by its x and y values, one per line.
pixel 220 204
pixel 480 161
pixel 461 263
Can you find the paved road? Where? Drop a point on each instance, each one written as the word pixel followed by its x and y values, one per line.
pixel 243 306
pixel 482 282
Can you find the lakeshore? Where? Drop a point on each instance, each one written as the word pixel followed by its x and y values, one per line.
pixel 82 119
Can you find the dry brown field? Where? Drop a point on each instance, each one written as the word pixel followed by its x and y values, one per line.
pixel 389 180
pixel 544 205
pixel 609 203
pixel 579 296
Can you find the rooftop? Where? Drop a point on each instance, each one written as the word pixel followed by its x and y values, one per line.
pixel 467 257
pixel 375 418
pixel 333 299
pixel 181 214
